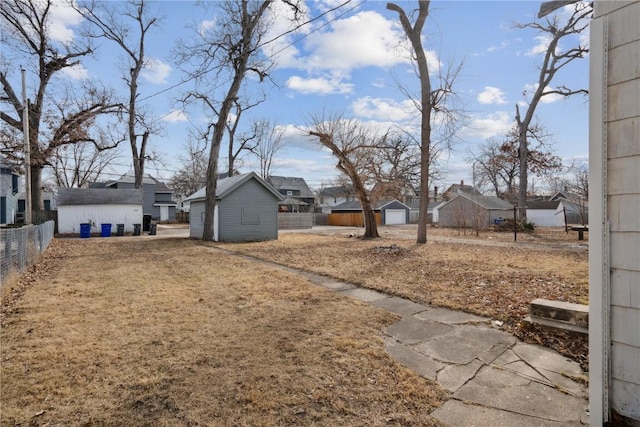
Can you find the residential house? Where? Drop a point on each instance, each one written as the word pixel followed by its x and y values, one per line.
pixel 97 206
pixel 473 211
pixel 432 211
pixel 294 188
pixel 462 188
pixel 246 209
pixel 614 203
pixel 9 189
pixel 329 197
pixel 158 203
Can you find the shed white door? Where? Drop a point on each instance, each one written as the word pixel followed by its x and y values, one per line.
pixel 395 216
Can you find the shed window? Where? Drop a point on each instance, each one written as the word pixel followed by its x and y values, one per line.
pixel 14 184
pixel 250 216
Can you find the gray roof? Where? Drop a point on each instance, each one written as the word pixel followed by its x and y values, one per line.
pixel 228 185
pixel 6 165
pixel 291 183
pixel 98 196
pixel 415 204
pixel 355 205
pixel 487 202
pixel 553 204
pixel 341 190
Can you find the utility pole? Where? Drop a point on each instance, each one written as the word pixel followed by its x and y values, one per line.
pixel 27 150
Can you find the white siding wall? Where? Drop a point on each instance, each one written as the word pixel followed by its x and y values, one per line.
pixel 615 162
pixel 545 217
pixel 70 217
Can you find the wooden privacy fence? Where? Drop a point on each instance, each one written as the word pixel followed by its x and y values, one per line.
pixel 351 219
pixel 182 217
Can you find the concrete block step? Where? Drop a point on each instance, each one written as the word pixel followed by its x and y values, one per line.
pixel 556 324
pixel 574 314
pixel 560 315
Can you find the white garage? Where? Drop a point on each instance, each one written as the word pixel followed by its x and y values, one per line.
pixel 394 212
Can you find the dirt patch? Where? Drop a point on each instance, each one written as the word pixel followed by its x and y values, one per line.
pixel 170 332
pixel 476 275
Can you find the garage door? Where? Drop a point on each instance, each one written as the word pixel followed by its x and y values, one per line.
pixel 395 216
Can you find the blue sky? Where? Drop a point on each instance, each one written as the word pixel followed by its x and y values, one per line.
pixel 350 62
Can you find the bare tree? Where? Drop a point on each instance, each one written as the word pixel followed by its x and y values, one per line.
pixel 555 59
pixel 245 140
pixel 432 105
pixel 222 56
pixel 127 26
pixel 354 144
pixel 498 163
pixel 269 142
pixel 57 118
pixel 193 169
pixel 395 169
pixel 77 165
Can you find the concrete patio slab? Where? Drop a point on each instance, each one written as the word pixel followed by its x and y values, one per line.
pixel 411 331
pixel 400 306
pixel 410 358
pixel 445 315
pixel 466 343
pixel 453 377
pixel 544 358
pixel 456 413
pixel 507 391
pixel 364 295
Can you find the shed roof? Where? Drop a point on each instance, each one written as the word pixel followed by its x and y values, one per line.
pixel 487 202
pixel 98 196
pixel 228 185
pixel 549 204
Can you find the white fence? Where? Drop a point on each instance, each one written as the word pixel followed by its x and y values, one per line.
pixel 21 247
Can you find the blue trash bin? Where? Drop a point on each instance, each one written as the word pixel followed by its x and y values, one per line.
pixel 106 230
pixel 85 230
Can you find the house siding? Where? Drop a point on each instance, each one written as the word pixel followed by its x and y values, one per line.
pixel 615 337
pixel 261 203
pixel 71 216
pixel 545 217
pixel 461 211
pixel 11 199
pixel 196 215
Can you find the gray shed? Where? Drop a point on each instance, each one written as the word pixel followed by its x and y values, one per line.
pixel 246 209
pixel 393 212
pixel 467 210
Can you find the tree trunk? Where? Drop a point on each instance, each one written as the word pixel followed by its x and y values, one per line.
pixel 36 188
pixel 210 192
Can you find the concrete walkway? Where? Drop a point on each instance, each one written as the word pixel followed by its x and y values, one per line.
pixel 494 379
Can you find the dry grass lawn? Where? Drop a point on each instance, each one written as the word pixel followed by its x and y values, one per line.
pixel 486 275
pixel 171 332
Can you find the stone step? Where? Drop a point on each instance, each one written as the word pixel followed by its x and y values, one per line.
pixel 560 315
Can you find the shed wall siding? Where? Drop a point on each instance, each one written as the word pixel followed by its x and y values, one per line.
pixel 622 194
pixel 70 217
pixel 545 217
pixel 255 200
pixel 196 224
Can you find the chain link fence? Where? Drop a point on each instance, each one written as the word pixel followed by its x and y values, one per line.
pixel 21 247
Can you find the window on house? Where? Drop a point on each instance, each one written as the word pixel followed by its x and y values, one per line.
pixel 289 193
pixel 14 184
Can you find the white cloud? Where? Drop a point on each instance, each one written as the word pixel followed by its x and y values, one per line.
pixel 77 72
pixel 547 99
pixel 176 116
pixel 485 127
pixel 364 39
pixel 491 95
pixel 62 18
pixel 319 86
pixel 541 46
pixel 383 109
pixel 503 44
pixel 155 71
